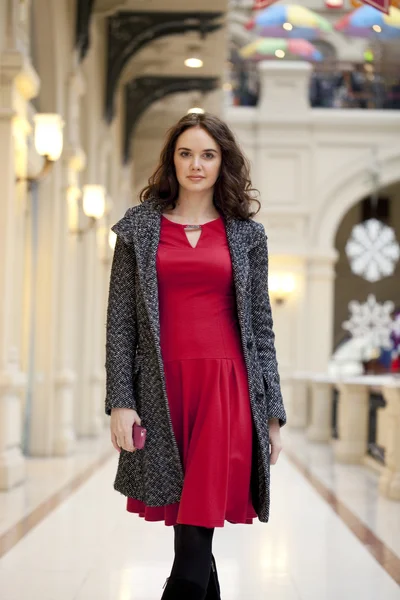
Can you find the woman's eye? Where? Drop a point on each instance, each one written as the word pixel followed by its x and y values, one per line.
pixel 209 155
pixel 184 153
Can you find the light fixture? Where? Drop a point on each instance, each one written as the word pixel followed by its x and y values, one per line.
pixel 287 26
pixel 280 54
pixel 94 201
pixel 281 285
pixel 197 110
pixel 194 63
pixel 194 60
pixel 48 135
pixel 94 206
pixel 377 28
pixel 48 138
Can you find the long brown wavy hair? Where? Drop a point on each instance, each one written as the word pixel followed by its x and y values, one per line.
pixel 233 191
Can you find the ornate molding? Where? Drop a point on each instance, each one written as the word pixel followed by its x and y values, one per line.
pixel 128 32
pixel 141 92
pixel 84 10
pixel 109 7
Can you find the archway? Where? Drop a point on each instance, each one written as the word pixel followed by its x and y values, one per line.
pixel 346 185
pixel 350 286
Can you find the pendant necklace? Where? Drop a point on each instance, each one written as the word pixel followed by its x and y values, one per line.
pixel 192 227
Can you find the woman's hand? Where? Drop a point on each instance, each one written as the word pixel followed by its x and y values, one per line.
pixel 121 423
pixel 274 440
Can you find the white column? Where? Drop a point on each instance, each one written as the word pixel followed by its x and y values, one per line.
pixel 320 298
pixel 280 83
pixel 320 427
pixel 90 397
pixel 12 380
pixel 65 375
pixel 64 322
pixel 353 409
pixel 389 484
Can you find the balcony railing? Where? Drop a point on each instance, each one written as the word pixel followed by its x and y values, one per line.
pixel 332 85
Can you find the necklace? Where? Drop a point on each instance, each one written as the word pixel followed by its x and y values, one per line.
pixel 192 227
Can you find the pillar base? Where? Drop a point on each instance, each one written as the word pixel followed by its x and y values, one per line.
pixel 12 461
pixel 350 453
pixel 353 407
pixel 389 485
pixel 319 429
pixel 298 406
pixel 317 434
pixel 64 437
pixel 12 469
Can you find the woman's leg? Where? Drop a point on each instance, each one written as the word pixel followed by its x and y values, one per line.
pixel 193 547
pixel 213 589
pixel 192 563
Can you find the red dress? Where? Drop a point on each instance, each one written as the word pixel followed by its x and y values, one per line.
pixel 206 379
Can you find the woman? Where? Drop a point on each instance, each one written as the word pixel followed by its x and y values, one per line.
pixel 190 351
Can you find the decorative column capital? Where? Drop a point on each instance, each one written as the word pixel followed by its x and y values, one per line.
pixel 391 393
pixel 322 266
pixel 353 387
pixel 16 69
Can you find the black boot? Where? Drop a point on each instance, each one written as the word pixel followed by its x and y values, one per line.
pixel 182 589
pixel 213 589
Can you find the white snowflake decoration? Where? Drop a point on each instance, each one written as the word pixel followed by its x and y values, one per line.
pixel 372 250
pixel 396 326
pixel 371 321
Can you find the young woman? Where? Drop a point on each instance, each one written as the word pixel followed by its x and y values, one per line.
pixel 190 351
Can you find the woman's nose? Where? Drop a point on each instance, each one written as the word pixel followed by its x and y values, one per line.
pixel 196 163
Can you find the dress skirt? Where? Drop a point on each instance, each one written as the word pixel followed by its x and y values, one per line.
pixel 206 379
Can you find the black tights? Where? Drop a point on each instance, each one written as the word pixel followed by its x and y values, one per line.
pixel 193 547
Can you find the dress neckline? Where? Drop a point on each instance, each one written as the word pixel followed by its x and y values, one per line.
pixel 185 224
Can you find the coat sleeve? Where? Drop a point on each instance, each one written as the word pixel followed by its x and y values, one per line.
pixel 121 328
pixel 262 324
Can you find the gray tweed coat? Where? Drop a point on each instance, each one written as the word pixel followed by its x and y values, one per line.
pixel 134 367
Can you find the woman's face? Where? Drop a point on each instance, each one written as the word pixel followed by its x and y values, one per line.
pixel 197 160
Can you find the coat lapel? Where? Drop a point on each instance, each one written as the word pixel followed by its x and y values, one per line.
pixel 147 236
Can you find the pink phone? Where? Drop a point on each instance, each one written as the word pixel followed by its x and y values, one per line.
pixel 139 436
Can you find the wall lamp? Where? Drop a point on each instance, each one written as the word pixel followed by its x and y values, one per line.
pixel 48 143
pixel 281 286
pixel 94 207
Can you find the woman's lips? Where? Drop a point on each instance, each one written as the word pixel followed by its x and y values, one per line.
pixel 196 177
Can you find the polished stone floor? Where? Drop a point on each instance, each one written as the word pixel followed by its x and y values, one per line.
pixel 85 546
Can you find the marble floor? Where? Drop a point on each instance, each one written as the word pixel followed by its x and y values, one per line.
pixel 87 547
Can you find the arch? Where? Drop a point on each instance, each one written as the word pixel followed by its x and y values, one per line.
pixel 128 32
pixel 344 192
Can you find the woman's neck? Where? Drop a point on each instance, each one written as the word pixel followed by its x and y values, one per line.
pixel 194 208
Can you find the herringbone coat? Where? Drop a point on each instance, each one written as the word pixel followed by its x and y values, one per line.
pixel 134 366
